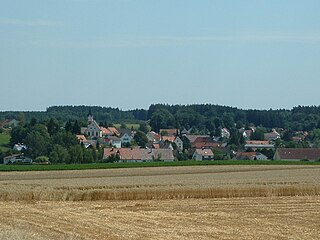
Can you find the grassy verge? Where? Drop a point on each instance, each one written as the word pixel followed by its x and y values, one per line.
pixel 146 164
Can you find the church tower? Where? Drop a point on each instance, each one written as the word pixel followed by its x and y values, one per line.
pixel 90 117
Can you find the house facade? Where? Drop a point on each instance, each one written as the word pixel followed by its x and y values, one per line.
pixel 203 154
pixel 17 158
pixel 254 145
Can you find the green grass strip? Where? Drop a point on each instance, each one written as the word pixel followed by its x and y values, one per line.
pixel 58 167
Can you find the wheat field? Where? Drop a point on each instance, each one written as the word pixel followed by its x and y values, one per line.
pixel 198 202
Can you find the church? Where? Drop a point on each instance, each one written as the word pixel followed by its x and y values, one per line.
pixel 93 130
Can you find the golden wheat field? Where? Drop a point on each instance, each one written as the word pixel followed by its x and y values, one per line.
pixel 197 202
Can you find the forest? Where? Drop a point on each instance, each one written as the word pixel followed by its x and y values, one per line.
pixel 202 118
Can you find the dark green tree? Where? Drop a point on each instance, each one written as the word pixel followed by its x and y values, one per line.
pixel 257 135
pixel 76 154
pixel 37 144
pixel 140 138
pixel 53 127
pixel 76 129
pixel 68 126
pixel 143 127
pixel 59 154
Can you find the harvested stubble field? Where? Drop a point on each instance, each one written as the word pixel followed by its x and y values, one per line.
pixel 198 202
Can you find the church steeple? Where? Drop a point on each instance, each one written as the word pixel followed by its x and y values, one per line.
pixel 90 117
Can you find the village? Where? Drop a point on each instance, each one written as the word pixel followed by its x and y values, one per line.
pixel 132 145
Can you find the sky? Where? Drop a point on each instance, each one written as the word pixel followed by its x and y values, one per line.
pixel 251 54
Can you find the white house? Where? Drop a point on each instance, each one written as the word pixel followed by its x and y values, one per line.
pixel 179 143
pixel 126 136
pixel 114 141
pixel 16 158
pixel 225 133
pixel 19 147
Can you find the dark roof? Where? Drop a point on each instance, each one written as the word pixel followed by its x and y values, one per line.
pixel 192 138
pixel 299 153
pixel 123 131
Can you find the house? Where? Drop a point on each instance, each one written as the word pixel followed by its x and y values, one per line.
pixel 179 143
pixel 173 139
pixel 185 131
pixel 168 138
pixel 109 131
pixel 272 136
pixel 225 133
pixel 202 154
pixel 163 155
pixel 192 138
pixel 246 155
pixel 125 136
pixel 20 147
pixel 254 145
pixel 204 142
pixel 17 158
pixel 139 154
pixel 250 156
pixel 153 136
pixel 160 145
pixel 246 133
pixel 113 141
pixel 261 156
pixel 169 132
pixel 297 154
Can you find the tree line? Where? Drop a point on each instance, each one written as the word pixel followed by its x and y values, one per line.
pixel 206 118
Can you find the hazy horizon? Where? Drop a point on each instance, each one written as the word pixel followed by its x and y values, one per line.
pixel 130 54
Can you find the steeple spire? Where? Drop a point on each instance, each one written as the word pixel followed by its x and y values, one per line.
pixel 90 117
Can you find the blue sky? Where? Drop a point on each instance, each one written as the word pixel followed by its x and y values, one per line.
pixel 131 53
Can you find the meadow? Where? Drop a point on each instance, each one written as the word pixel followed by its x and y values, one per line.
pixel 4 141
pixel 178 202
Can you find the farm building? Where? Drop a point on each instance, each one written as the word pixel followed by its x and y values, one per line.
pixel 297 154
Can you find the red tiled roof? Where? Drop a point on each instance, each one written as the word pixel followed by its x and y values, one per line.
pixel 156 145
pixel 299 153
pixel 204 152
pixel 124 153
pixel 168 138
pixel 205 145
pixel 169 132
pixel 255 142
pixel 81 138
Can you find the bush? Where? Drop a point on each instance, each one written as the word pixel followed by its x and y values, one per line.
pixel 304 160
pixel 41 159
